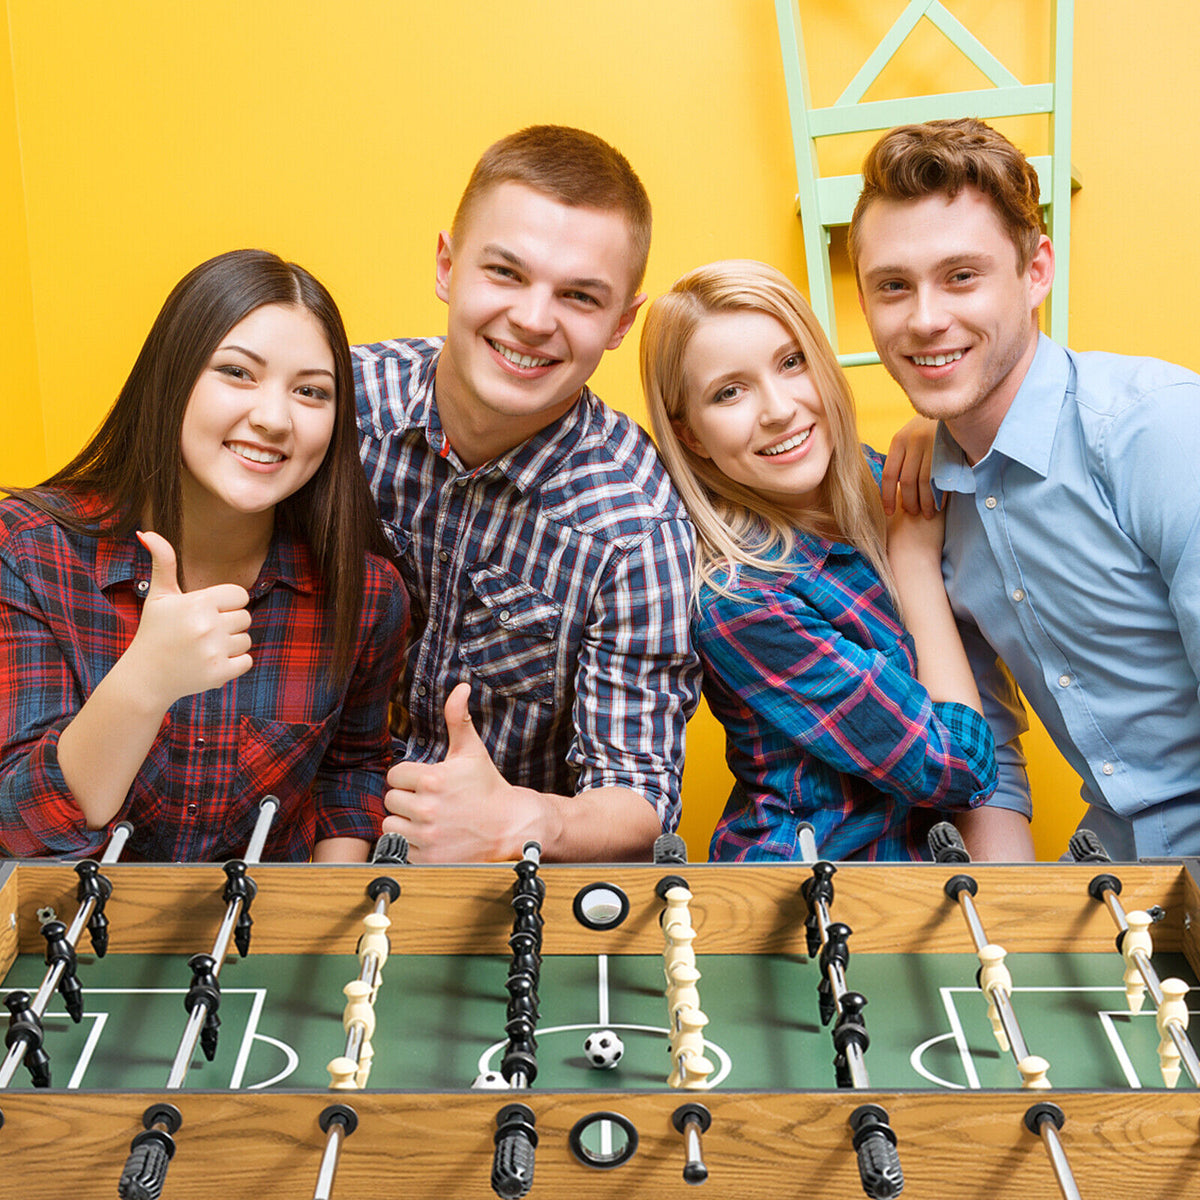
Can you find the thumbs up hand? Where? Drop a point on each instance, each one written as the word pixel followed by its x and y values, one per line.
pixel 461 809
pixel 188 642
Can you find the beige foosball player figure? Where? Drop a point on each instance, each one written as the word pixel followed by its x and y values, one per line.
pixel 374 942
pixel 1034 1070
pixel 678 931
pixel 690 1068
pixel 994 974
pixel 1136 938
pixel 682 991
pixel 1172 1011
pixel 358 1020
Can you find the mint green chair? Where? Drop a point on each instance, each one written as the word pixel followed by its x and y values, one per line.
pixel 823 203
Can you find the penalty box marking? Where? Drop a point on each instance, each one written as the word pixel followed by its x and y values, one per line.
pixel 958 1034
pixel 249 1036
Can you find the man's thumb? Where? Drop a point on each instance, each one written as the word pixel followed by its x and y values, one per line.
pixel 460 729
pixel 163 578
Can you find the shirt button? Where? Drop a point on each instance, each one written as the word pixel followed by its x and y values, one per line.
pixel 443 556
pixel 193 809
pixel 200 743
pixel 504 615
pixel 1018 594
pixel 1108 768
pixel 990 502
pixel 142 587
pixel 1064 681
pixel 422 690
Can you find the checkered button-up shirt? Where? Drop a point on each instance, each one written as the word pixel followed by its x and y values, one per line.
pixel 69 607
pixel 555 579
pixel 814 678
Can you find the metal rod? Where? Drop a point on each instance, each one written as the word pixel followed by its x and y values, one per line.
pixel 1012 1027
pixel 267 807
pixel 973 922
pixel 116 843
pixel 808 843
pixel 1116 908
pixel 1058 1161
pixel 329 1161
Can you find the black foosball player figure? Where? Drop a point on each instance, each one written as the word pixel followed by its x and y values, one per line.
pixel 850 1030
pixel 834 954
pixel 25 1028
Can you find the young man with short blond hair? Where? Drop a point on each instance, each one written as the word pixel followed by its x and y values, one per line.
pixel 547 556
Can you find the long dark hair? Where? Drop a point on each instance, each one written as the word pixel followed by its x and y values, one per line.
pixel 133 464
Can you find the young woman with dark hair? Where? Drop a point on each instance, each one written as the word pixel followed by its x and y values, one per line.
pixel 198 609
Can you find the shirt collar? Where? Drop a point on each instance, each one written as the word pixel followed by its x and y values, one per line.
pixel 288 562
pixel 1026 435
pixel 525 465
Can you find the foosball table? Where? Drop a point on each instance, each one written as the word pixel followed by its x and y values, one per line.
pixel 600 1031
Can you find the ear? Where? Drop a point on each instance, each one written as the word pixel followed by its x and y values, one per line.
pixel 442 286
pixel 1040 271
pixel 625 324
pixel 683 431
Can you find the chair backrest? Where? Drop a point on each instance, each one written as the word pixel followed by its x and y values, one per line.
pixel 823 203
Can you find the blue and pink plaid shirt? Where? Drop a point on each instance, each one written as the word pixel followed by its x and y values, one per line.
pixel 555 579
pixel 813 677
pixel 69 607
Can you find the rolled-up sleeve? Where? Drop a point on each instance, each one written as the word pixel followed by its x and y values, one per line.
pixel 638 679
pixel 857 709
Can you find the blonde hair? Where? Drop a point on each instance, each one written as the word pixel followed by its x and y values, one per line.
pixel 734 524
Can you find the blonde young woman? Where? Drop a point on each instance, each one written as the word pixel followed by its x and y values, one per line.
pixel 835 713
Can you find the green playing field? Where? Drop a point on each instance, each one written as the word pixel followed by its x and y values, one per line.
pixel 440 1021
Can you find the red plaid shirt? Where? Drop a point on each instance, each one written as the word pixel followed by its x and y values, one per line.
pixel 69 606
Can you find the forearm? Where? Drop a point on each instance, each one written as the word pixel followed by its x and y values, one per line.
pixel 608 824
pixel 942 666
pixel 995 835
pixel 103 748
pixel 341 849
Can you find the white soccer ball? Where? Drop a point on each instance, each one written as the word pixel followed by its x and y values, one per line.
pixel 603 1049
pixel 490 1081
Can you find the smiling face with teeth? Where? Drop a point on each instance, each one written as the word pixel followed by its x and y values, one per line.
pixel 258 420
pixel 952 314
pixel 753 408
pixel 537 291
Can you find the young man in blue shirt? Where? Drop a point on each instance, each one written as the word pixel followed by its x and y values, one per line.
pixel 1072 555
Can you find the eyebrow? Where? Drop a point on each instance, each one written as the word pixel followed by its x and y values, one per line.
pixel 967 258
pixel 719 381
pixel 594 285
pixel 262 362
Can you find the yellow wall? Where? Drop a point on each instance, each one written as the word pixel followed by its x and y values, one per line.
pixel 137 138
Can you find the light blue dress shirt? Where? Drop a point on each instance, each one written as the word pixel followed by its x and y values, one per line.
pixel 1073 559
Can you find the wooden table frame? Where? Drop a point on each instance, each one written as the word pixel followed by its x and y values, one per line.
pixel 1122 1145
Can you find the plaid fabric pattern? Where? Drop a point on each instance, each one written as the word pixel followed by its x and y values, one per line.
pixel 555 579
pixel 69 607
pixel 813 677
